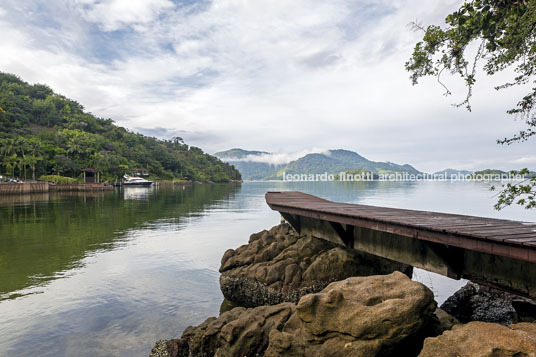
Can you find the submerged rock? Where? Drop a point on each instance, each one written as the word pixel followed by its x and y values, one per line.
pixel 360 316
pixel 278 266
pixel 483 339
pixel 475 302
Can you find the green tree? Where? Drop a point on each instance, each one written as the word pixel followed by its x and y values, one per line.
pixel 31 160
pixel 8 147
pixel 19 164
pixel 9 163
pixel 504 34
pixel 62 164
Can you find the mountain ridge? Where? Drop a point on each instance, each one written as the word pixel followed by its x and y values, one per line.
pixel 332 161
pixel 448 173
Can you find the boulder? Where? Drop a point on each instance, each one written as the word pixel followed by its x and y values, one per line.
pixel 238 332
pixel 360 316
pixel 475 302
pixel 280 266
pixel 483 339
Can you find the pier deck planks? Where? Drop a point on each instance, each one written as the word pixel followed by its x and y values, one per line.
pixel 508 238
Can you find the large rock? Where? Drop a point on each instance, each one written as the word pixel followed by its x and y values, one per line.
pixel 475 302
pixel 361 316
pixel 239 332
pixel 483 339
pixel 278 266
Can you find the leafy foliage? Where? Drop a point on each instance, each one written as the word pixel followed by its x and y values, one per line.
pixel 503 32
pixel 57 179
pixel 522 193
pixel 45 133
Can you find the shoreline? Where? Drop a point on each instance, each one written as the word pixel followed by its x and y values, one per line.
pixel 44 187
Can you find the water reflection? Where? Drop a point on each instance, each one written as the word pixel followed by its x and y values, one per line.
pixel 137 193
pixel 44 235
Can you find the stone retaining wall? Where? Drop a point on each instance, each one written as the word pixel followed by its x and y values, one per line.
pixel 80 187
pixel 20 188
pixel 40 187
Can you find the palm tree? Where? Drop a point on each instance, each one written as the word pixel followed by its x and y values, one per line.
pixel 21 145
pixel 34 146
pixel 10 162
pixel 31 160
pixel 35 149
pixel 19 163
pixel 8 147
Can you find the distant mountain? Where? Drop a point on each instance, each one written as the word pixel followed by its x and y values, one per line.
pixel 489 172
pixel 243 161
pixel 253 165
pixel 448 173
pixel 336 161
pixel 238 153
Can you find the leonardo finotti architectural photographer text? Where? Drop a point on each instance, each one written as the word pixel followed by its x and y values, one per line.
pixel 399 176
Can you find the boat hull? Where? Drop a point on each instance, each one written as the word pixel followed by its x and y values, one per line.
pixel 148 183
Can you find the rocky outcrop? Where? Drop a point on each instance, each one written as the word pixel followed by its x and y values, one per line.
pixel 239 332
pixel 378 315
pixel 360 316
pixel 475 302
pixel 483 339
pixel 278 266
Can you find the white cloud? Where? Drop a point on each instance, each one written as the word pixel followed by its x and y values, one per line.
pixel 526 160
pixel 112 15
pixel 277 158
pixel 268 75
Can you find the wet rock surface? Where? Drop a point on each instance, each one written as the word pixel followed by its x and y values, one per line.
pixel 278 266
pixel 483 339
pixel 475 302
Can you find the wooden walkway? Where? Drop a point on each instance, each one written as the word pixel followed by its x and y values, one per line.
pixel 512 239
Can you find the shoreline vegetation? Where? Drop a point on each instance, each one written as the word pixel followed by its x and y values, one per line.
pixel 287 295
pixel 43 133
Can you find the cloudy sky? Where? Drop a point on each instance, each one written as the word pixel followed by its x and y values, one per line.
pixel 271 75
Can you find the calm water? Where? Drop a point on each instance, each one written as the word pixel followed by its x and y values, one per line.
pixel 107 274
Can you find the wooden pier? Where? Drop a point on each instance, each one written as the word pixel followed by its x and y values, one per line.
pixel 500 253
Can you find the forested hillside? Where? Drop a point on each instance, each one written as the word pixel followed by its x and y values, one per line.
pixel 45 133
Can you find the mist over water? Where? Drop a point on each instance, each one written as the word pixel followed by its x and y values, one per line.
pixel 110 273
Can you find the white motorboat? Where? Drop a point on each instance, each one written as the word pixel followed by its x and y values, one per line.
pixel 135 181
